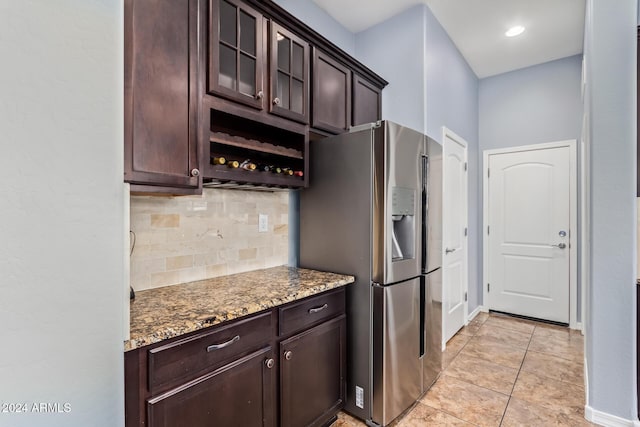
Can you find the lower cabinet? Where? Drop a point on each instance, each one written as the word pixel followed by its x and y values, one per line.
pixel 312 371
pixel 241 393
pixel 284 366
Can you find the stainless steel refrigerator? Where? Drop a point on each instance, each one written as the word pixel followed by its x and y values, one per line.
pixel 374 210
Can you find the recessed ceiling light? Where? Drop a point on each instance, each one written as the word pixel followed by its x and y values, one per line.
pixel 514 31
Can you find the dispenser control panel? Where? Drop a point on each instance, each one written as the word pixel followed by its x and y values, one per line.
pixel 403 201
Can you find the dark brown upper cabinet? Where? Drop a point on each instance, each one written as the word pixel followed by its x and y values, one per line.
pixel 331 101
pixel 367 101
pixel 237 52
pixel 161 101
pixel 289 72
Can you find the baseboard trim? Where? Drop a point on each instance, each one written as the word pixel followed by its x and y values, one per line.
pixel 607 420
pixel 475 312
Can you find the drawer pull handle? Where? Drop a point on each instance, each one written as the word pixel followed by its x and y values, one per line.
pixel 214 347
pixel 317 309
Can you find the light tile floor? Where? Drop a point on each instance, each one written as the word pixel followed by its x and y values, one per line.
pixel 503 371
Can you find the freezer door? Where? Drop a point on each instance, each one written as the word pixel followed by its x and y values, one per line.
pixel 397 374
pixel 432 359
pixel 397 210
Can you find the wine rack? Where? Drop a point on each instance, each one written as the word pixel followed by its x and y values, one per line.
pixel 236 139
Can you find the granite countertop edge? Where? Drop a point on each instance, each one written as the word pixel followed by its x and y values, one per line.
pixel 168 312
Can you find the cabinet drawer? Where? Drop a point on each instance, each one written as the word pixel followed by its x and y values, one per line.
pixel 308 312
pixel 183 360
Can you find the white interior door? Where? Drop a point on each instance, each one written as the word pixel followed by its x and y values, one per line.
pixel 454 231
pixel 528 223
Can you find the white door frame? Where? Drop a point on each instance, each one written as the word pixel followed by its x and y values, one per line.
pixel 448 133
pixel 573 221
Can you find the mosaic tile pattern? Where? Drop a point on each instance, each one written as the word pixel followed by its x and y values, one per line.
pixel 501 371
pixel 188 238
pixel 163 313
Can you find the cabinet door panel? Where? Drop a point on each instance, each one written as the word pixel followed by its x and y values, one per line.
pixel 239 394
pixel 367 102
pixel 289 75
pixel 331 94
pixel 312 374
pixel 236 52
pixel 161 142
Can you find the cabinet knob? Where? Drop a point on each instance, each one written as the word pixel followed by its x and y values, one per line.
pixel 288 355
pixel 195 172
pixel 260 94
pixel 269 363
pixel 276 101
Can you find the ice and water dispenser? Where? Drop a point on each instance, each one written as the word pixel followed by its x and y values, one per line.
pixel 403 215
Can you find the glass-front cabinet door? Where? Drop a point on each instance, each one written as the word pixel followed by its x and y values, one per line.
pixel 236 52
pixel 289 72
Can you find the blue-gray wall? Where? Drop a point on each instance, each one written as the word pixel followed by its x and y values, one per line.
pixel 452 101
pixel 533 105
pixel 315 17
pixel 610 51
pixel 430 86
pixel 319 20
pixel 62 230
pixel 395 50
pixel 537 104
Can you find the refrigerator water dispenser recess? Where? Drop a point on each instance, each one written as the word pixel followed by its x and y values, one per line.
pixel 403 238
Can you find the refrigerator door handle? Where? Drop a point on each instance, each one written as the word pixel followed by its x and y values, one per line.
pixel 425 210
pixel 423 302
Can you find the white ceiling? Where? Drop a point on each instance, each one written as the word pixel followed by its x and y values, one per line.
pixel 554 28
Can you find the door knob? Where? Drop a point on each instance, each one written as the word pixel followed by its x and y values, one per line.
pixel 560 245
pixel 447 250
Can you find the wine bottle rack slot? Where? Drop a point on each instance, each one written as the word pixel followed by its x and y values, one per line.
pixel 252 144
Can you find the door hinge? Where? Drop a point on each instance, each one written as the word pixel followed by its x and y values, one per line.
pixel 465 166
pixel 488 287
pixel 487 229
pixel 465 297
pixel 488 173
pixel 465 231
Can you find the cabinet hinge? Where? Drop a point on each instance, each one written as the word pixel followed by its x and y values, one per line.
pixel 465 297
pixel 465 231
pixel 465 166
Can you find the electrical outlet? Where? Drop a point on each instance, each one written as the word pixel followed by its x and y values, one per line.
pixel 263 223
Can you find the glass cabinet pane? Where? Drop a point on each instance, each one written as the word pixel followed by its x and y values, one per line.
pixel 283 89
pixel 297 63
pixel 228 72
pixel 247 75
pixel 247 33
pixel 228 23
pixel 297 96
pixel 283 53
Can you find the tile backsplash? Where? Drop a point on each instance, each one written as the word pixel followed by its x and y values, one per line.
pixel 187 238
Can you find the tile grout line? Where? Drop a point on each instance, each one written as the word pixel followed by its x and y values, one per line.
pixel 476 385
pixel 517 375
pixel 443 371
